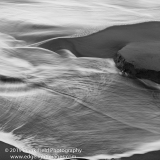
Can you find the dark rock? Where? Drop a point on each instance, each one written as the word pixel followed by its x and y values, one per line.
pixel 140 60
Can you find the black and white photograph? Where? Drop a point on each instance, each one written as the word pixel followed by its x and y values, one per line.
pixel 79 80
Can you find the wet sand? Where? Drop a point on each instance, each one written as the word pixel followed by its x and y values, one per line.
pixel 106 43
pixel 6 156
pixel 11 152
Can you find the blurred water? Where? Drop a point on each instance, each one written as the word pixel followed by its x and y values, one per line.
pixel 65 102
pixel 69 17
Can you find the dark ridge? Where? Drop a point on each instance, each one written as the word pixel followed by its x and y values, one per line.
pixel 6 79
pixel 133 72
pixel 155 155
pixel 61 43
